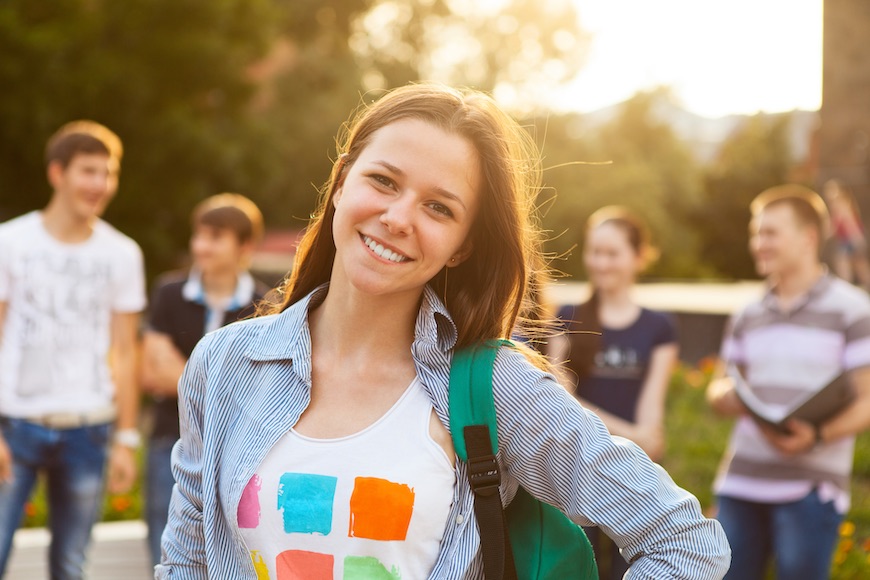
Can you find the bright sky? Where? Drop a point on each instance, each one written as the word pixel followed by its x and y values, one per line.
pixel 739 56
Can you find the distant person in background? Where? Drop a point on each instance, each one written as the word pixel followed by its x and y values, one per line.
pixel 782 495
pixel 217 290
pixel 618 354
pixel 71 289
pixel 850 249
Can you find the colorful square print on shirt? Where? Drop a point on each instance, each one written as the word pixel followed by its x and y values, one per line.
pixel 248 512
pixel 380 509
pixel 368 568
pixel 302 565
pixel 306 502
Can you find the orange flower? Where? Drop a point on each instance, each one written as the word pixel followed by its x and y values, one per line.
pixel 847 528
pixel 120 503
pixel 695 378
pixel 30 509
pixel 708 364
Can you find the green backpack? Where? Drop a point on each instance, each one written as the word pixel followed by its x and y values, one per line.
pixel 544 544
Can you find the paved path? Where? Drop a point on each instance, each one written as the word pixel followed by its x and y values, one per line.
pixel 118 551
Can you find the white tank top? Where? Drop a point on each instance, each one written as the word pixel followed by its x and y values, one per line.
pixel 369 505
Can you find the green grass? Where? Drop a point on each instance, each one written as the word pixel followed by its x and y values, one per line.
pixel 697 439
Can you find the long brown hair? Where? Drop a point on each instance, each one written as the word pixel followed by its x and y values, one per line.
pixel 486 293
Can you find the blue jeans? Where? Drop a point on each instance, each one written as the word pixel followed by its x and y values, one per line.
pixel 801 537
pixel 158 491
pixel 73 461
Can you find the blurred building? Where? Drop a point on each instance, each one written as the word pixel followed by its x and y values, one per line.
pixel 274 256
pixel 844 137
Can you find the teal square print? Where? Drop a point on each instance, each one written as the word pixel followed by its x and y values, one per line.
pixel 306 502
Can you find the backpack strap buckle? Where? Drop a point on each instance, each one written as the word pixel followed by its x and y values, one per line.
pixel 484 475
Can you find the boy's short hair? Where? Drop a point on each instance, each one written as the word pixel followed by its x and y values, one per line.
pixel 230 211
pixel 82 137
pixel 808 206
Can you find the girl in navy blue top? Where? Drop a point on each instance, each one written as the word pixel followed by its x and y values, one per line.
pixel 618 355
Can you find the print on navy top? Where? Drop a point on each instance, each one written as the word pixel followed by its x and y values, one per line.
pixel 620 366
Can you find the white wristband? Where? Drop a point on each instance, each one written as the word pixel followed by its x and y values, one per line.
pixel 128 438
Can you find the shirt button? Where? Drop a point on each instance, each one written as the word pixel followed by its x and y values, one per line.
pixel 459 519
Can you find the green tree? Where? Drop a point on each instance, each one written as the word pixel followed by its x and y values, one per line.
pixel 169 76
pixel 346 52
pixel 755 157
pixel 239 95
pixel 650 170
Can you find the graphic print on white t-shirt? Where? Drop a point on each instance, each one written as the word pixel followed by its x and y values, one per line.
pixel 60 299
pixel 369 506
pixel 60 324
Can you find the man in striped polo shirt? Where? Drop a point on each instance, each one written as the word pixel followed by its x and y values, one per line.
pixel 783 495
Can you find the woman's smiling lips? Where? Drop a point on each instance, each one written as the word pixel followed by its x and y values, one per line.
pixel 382 252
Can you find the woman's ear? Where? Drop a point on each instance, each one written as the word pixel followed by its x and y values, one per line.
pixel 463 254
pixel 339 180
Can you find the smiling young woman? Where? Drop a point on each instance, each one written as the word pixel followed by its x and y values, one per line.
pixel 315 440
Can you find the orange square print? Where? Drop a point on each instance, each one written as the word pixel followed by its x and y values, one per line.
pixel 380 509
pixel 302 565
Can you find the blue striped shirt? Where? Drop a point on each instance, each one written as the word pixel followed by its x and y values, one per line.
pixel 248 383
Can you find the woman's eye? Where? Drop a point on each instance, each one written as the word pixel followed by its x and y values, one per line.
pixel 441 209
pixel 382 180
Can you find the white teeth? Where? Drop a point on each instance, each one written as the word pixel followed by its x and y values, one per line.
pixel 382 251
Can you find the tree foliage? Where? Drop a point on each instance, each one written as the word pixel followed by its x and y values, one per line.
pixel 169 76
pixel 648 169
pixel 234 95
pixel 247 96
pixel 755 157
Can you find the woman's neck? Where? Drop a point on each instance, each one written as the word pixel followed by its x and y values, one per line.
pixel 616 309
pixel 615 298
pixel 351 324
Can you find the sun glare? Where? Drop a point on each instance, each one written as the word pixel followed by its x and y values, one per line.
pixel 741 56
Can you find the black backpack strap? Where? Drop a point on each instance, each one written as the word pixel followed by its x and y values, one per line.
pixel 485 477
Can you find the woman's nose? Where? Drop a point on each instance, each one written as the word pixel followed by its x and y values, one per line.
pixel 398 216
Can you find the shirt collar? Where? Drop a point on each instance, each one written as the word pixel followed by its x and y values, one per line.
pixel 434 323
pixel 434 328
pixel 193 290
pixel 771 302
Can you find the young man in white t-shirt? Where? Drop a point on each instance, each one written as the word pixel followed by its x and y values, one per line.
pixel 71 290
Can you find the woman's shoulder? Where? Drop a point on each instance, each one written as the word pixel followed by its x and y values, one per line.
pixel 659 325
pixel 657 318
pixel 516 375
pixel 236 339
